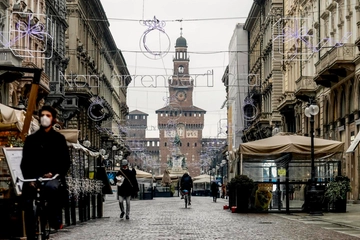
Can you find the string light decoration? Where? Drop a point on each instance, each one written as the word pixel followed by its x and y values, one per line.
pixel 249 109
pixel 294 37
pixel 24 31
pixel 96 105
pixel 154 25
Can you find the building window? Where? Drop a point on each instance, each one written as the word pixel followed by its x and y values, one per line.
pixel 194 114
pixel 188 144
pixel 143 117
pixel 195 144
pixel 136 117
pixel 165 144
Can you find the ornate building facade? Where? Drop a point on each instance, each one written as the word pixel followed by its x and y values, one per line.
pixel 328 75
pixel 319 64
pixel 84 74
pixel 96 77
pixel 265 74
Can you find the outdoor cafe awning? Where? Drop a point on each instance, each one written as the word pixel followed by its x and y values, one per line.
pixel 297 145
pixel 354 144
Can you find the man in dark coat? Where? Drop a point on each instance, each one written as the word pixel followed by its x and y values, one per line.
pixel 128 188
pixel 186 183
pixel 214 190
pixel 45 154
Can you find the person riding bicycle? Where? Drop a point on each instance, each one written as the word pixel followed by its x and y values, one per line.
pixel 45 154
pixel 186 183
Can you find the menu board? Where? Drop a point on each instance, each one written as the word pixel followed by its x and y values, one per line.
pixel 13 158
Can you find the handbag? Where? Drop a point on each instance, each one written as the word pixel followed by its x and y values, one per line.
pixel 120 180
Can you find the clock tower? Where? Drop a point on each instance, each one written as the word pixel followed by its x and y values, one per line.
pixel 180 123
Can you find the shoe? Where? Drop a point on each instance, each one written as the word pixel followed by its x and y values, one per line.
pixel 182 197
pixel 127 217
pixel 122 215
pixel 189 203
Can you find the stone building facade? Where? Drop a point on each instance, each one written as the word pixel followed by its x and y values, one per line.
pixel 96 77
pixel 265 74
pixel 84 73
pixel 320 64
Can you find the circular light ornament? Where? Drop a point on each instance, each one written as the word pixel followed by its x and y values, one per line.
pixel 154 49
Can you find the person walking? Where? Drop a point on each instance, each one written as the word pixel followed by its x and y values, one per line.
pixel 45 154
pixel 223 191
pixel 214 190
pixel 127 187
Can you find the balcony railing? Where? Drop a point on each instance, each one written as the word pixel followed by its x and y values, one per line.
pixel 343 54
pixel 7 58
pixel 305 83
pixel 263 117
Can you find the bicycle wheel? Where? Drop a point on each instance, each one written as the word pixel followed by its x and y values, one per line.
pixel 37 222
pixel 42 224
pixel 186 200
pixel 45 227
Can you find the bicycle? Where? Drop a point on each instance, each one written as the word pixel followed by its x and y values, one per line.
pixel 186 197
pixel 42 226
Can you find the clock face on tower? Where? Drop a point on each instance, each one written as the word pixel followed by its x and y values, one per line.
pixel 180 95
pixel 181 69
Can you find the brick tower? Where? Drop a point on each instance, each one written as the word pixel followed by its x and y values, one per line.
pixel 180 123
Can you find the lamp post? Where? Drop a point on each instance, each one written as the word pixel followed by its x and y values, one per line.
pixel 113 148
pixel 314 194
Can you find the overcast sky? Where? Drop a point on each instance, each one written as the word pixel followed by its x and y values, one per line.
pixel 208 26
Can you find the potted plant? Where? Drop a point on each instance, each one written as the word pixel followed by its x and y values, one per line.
pixel 243 186
pixel 336 191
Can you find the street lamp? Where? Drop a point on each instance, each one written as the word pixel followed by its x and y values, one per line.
pixel 314 195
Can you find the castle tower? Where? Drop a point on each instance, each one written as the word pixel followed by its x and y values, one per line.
pixel 180 119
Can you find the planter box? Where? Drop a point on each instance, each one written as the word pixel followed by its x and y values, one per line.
pixel 339 205
pixel 233 209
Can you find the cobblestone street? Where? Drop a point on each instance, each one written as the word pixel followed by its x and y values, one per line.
pixel 167 218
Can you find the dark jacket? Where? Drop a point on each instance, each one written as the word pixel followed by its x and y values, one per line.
pixel 186 182
pixel 45 152
pixel 214 188
pixel 127 189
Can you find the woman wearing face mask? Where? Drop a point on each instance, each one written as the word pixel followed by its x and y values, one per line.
pixel 45 153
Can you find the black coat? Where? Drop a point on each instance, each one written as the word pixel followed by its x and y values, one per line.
pixel 214 188
pixel 45 152
pixel 186 182
pixel 127 189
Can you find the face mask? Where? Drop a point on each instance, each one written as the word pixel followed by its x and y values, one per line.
pixel 45 121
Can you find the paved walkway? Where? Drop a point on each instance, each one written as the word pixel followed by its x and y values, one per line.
pixel 166 218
